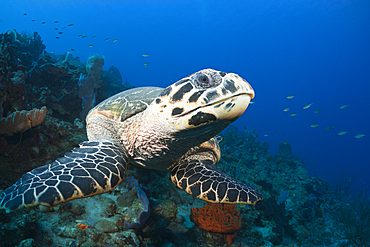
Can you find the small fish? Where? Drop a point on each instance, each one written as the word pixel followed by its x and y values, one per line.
pixel 25 14
pixel 291 96
pixel 80 35
pixel 43 22
pixel 70 25
pixel 266 135
pixel 145 55
pixel 33 20
pixel 286 142
pixel 286 109
pixel 91 45
pixel 56 21
pixel 343 106
pixel 293 114
pixel 72 49
pixel 106 39
pixel 145 64
pixel 306 106
pixel 77 57
pixel 63 27
pixel 57 37
pixel 60 32
pixel 317 111
pixel 329 128
pixel 93 37
pixel 314 125
pixel 358 136
pixel 83 36
pixel 342 133
pixel 115 40
pixel 252 102
pixel 56 29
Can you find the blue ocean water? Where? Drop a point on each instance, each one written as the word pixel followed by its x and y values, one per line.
pixel 316 50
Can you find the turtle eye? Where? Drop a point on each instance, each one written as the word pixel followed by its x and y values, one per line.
pixel 204 80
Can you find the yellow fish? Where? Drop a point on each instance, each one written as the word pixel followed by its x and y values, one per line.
pixel 70 25
pixel 91 45
pixel 342 133
pixel 290 96
pixel 115 40
pixel 358 136
pixel 306 106
pixel 314 125
pixel 293 114
pixel 329 128
pixel 93 37
pixel 317 111
pixel 106 39
pixel 83 36
pixel 145 64
pixel 145 55
pixel 343 106
pixel 286 109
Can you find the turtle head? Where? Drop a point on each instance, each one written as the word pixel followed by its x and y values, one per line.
pixel 207 100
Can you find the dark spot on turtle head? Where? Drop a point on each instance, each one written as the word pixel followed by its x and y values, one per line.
pixel 178 96
pixel 229 105
pixel 218 105
pixel 158 100
pixel 177 111
pixel 181 81
pixel 166 91
pixel 211 96
pixel 230 85
pixel 223 74
pixel 224 91
pixel 201 117
pixel 195 96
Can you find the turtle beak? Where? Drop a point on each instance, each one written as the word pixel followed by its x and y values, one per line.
pixel 232 108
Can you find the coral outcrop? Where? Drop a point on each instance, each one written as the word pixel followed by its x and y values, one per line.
pixel 20 121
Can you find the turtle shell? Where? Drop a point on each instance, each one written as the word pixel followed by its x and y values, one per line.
pixel 123 105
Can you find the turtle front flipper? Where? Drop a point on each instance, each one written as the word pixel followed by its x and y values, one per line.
pixel 91 169
pixel 199 176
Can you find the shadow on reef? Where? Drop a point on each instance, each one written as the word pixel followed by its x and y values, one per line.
pixel 297 210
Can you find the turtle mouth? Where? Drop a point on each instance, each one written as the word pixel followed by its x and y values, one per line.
pixel 226 104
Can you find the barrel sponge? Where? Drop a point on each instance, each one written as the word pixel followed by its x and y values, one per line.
pixel 20 121
pixel 94 68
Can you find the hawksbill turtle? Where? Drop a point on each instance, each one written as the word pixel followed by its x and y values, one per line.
pixel 169 129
